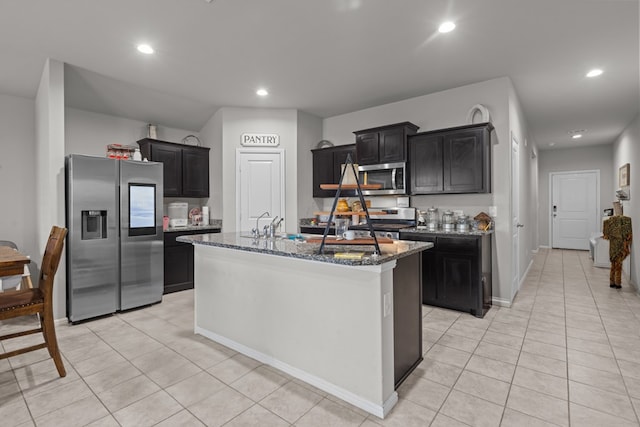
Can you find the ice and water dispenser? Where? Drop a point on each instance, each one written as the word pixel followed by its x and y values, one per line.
pixel 94 225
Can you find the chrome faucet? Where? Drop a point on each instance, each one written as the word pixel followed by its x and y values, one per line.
pixel 275 223
pixel 255 232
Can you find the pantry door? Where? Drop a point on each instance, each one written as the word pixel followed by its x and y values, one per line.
pixel 575 204
pixel 260 187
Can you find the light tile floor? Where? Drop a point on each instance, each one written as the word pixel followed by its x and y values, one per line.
pixel 566 353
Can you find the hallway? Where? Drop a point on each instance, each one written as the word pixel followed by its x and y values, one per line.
pixel 566 353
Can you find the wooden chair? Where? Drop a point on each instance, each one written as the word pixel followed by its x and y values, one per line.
pixel 25 302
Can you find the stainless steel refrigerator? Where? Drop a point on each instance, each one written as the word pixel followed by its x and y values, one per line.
pixel 115 241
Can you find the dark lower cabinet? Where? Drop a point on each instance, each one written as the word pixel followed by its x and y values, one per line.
pixel 407 316
pixel 178 260
pixel 456 272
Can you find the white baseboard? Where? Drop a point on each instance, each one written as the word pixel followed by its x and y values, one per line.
pixel 501 302
pixel 379 411
pixel 543 247
pixel 524 276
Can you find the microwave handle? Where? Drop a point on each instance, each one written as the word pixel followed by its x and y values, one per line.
pixel 393 179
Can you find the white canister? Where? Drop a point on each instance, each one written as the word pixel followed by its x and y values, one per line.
pixel 205 215
pixel 137 155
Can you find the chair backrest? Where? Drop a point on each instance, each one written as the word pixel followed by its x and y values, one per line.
pixel 8 243
pixel 51 260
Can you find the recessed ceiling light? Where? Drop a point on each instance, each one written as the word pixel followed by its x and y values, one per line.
pixel 595 72
pixel 446 27
pixel 576 136
pixel 145 48
pixel 262 92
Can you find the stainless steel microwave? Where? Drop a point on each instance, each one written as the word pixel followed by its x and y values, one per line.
pixel 392 177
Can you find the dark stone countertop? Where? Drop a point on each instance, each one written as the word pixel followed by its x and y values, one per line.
pixel 445 233
pixel 215 225
pixel 297 248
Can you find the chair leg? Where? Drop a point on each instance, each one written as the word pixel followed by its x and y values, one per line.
pixel 26 283
pixel 49 333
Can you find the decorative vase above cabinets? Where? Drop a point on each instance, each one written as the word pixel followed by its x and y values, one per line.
pixel 186 168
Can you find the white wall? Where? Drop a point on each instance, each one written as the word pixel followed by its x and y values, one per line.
pixel 235 122
pixel 626 149
pixel 447 109
pixel 89 133
pixel 211 135
pixel 599 157
pixel 528 187
pixel 309 134
pixel 50 168
pixel 18 175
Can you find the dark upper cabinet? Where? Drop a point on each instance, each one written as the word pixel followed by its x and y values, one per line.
pixel 426 151
pixel 322 171
pixel 171 158
pixel 367 148
pixel 384 144
pixel 464 162
pixel 455 160
pixel 327 163
pixel 186 168
pixel 340 158
pixel 195 172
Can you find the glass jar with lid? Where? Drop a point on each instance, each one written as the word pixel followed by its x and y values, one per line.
pixel 462 223
pixel 447 220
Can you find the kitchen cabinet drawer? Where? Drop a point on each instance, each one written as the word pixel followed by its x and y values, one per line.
pixel 185 168
pixel 457 244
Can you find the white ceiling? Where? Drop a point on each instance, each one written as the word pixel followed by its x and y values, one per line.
pixel 329 57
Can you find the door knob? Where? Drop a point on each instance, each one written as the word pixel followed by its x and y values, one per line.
pixel 519 225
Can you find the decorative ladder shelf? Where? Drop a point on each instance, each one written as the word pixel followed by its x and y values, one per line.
pixel 358 187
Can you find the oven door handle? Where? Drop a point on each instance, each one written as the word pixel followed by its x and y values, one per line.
pixel 393 179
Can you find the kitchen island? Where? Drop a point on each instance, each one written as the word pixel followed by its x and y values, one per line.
pixel 351 327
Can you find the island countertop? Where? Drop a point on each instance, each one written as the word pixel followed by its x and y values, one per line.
pixel 281 246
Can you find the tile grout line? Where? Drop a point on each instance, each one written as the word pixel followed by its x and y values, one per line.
pixel 535 296
pixel 615 358
pixel 566 339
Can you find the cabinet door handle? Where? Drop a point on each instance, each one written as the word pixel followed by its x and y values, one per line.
pixel 519 225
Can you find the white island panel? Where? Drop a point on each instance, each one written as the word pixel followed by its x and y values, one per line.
pixel 323 323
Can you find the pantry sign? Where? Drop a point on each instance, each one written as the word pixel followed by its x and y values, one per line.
pixel 260 140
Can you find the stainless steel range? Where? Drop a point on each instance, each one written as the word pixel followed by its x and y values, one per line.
pixel 389 224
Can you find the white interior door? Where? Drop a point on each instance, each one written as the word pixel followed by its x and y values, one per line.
pixel 574 208
pixel 515 217
pixel 260 187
